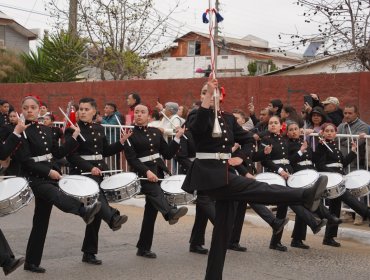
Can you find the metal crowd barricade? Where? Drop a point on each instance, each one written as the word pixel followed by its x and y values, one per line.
pixel 118 162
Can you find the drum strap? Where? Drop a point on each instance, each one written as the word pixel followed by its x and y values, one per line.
pixel 92 157
pixel 305 162
pixel 281 161
pixel 335 164
pixel 217 156
pixel 149 158
pixel 42 158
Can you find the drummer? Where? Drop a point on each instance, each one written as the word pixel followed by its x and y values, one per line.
pixel 278 162
pixel 89 157
pixel 328 158
pixel 7 260
pixel 35 156
pixel 144 156
pixel 300 157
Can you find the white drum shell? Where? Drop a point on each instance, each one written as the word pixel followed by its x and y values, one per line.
pixel 303 178
pixel 335 186
pixel 271 178
pixel 358 182
pixel 171 187
pixel 15 193
pixel 121 186
pixel 82 188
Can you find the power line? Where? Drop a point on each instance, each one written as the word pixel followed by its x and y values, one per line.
pixel 24 10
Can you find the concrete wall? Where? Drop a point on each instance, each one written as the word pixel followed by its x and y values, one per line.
pixel 351 88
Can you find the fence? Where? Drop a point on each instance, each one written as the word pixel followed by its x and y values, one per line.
pixel 118 162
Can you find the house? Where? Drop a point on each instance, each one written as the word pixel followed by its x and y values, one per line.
pixel 344 62
pixel 14 36
pixel 189 56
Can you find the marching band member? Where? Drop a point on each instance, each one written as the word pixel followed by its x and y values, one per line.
pixel 35 154
pixel 7 146
pixel 334 161
pixel 278 162
pixel 209 174
pixel 144 157
pixel 89 157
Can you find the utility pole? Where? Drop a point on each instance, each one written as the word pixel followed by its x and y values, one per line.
pixel 72 27
pixel 216 36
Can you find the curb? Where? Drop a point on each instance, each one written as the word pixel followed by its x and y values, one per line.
pixel 358 235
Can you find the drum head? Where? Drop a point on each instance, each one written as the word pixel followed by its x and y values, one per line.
pixel 10 187
pixel 118 180
pixel 302 178
pixel 357 179
pixel 78 185
pixel 173 184
pixel 271 178
pixel 334 179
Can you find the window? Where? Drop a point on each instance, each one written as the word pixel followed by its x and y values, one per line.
pixel 193 48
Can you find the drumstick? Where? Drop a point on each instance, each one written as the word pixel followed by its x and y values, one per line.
pixel 71 123
pixel 304 131
pixel 107 171
pixel 122 130
pixel 6 177
pixel 161 179
pixel 327 146
pixel 167 118
pixel 24 133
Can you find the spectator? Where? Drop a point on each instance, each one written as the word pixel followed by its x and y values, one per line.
pixel 170 112
pixel 132 100
pixel 4 112
pixel 331 107
pixel 43 112
pixel 155 118
pixel 183 112
pixel 109 118
pixel 241 118
pixel 261 128
pixel 275 106
pixel 316 119
pixel 289 113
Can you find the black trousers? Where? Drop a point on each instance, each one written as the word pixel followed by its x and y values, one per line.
pixel 6 253
pixel 46 194
pixel 240 189
pixel 335 207
pixel 154 202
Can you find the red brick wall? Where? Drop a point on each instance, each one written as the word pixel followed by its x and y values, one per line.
pixel 351 88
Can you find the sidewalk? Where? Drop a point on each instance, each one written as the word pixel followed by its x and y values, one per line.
pixel 346 230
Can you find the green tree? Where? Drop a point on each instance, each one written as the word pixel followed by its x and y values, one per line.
pixel 252 68
pixel 12 69
pixel 60 58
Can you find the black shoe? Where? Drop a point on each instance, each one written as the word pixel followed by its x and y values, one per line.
pixel 330 242
pixel 176 214
pixel 198 249
pixel 12 265
pixel 312 196
pixel 299 244
pixel 319 226
pixel 91 259
pixel 279 247
pixel 118 221
pixel 91 211
pixel 278 225
pixel 34 268
pixel 237 247
pixel 146 254
pixel 333 220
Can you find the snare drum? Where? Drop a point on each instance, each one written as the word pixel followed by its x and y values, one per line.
pixel 335 186
pixel 121 186
pixel 171 187
pixel 358 182
pixel 82 188
pixel 303 179
pixel 14 195
pixel 271 178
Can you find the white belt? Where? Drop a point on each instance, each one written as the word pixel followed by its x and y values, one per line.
pixel 92 157
pixel 281 161
pixel 149 158
pixel 192 158
pixel 218 156
pixel 42 158
pixel 335 164
pixel 304 162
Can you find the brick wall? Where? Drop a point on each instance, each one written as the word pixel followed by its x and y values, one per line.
pixel 351 88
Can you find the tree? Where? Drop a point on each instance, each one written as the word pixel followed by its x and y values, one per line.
pixel 252 68
pixel 12 69
pixel 119 33
pixel 342 24
pixel 60 58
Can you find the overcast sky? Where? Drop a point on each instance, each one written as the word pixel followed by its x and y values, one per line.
pixel 262 18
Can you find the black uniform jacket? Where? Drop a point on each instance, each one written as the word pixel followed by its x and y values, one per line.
pixel 294 145
pixel 324 156
pixel 8 145
pixel 39 142
pixel 186 152
pixel 207 174
pixel 146 141
pixel 96 144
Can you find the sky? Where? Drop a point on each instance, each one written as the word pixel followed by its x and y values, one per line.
pixel 262 18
